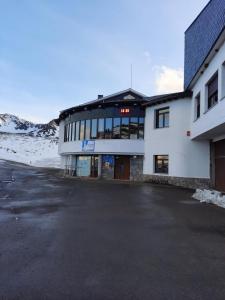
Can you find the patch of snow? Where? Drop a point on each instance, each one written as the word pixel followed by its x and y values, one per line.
pixel 210 196
pixel 31 150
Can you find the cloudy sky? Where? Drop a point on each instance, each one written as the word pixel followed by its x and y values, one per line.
pixel 55 54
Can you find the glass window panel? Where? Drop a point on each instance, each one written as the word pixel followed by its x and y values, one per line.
pixel 68 132
pixel 77 130
pixel 88 129
pixel 71 132
pixel 124 128
pixel 101 125
pixel 116 128
pixel 141 128
pixel 108 128
pixel 133 128
pixel 94 128
pixel 82 124
pixel 161 164
pixel 166 120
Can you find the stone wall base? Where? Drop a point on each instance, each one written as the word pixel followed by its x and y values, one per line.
pixel 192 183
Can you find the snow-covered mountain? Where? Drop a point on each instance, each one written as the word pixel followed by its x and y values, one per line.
pixel 13 124
pixel 29 143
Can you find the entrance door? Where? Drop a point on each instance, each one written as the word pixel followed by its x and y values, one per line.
pixel 122 167
pixel 94 166
pixel 220 165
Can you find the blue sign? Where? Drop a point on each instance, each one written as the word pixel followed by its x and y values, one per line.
pixel 88 146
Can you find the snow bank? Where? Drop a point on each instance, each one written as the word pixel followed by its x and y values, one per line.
pixel 36 151
pixel 210 196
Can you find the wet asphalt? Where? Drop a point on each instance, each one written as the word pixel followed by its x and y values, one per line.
pixel 64 238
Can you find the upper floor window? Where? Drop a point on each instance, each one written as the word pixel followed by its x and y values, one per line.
pixel 124 128
pixel 197 106
pixel 212 87
pixel 94 124
pixel 108 128
pixel 101 128
pixel 82 127
pixel 162 117
pixel 105 128
pixel 141 128
pixel 116 128
pixel 88 129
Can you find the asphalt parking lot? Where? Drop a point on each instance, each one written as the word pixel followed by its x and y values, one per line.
pixel 64 238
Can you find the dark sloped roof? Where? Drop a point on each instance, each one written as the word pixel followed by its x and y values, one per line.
pixel 120 97
pixel 166 98
pixel 201 37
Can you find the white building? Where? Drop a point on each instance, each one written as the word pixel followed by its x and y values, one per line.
pixel 184 133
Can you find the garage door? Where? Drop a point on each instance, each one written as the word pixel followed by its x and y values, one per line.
pixel 220 165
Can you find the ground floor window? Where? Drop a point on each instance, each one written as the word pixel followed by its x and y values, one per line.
pixel 161 164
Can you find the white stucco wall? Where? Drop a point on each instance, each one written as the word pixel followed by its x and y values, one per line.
pixel 187 158
pixel 216 115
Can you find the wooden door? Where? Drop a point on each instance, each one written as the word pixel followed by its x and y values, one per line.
pixel 220 165
pixel 122 167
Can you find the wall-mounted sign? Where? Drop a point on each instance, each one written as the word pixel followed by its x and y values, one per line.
pixel 88 146
pixel 124 111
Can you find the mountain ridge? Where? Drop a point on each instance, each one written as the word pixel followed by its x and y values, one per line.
pixel 10 123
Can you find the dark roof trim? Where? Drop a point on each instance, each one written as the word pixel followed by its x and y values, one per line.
pixel 154 100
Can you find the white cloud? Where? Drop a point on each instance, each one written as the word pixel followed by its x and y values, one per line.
pixel 168 80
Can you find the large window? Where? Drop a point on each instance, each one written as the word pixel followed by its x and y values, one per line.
pixel 94 124
pixel 101 128
pixel 124 128
pixel 77 130
pixel 133 128
pixel 161 164
pixel 88 129
pixel 162 117
pixel 213 91
pixel 108 128
pixel 141 128
pixel 116 128
pixel 82 126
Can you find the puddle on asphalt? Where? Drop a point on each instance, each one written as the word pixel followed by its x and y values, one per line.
pixel 189 202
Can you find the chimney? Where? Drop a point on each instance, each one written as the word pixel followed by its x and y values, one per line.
pixel 100 96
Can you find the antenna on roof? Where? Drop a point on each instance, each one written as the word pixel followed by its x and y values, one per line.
pixel 131 76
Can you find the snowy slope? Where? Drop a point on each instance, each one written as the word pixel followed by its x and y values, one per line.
pixel 29 143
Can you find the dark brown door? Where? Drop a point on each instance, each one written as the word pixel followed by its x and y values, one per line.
pixel 94 166
pixel 220 165
pixel 122 167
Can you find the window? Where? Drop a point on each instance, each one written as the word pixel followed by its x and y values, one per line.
pixel 162 117
pixel 65 133
pixel 71 132
pixel 94 128
pixel 124 128
pixel 88 129
pixel 116 128
pixel 141 128
pixel 197 106
pixel 161 164
pixel 82 125
pixel 108 128
pixel 77 130
pixel 133 128
pixel 68 133
pixel 213 91
pixel 101 128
